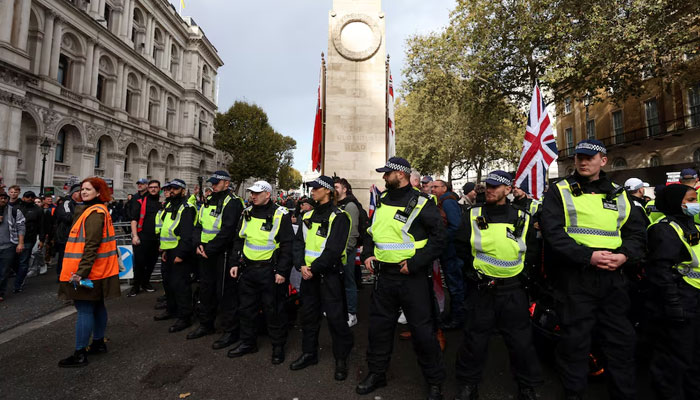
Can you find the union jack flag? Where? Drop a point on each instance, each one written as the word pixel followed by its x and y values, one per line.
pixel 374 194
pixel 539 148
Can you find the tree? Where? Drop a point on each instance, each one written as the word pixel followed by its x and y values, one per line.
pixel 251 145
pixel 289 178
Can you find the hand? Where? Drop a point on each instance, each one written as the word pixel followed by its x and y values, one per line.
pixel 177 260
pixel 368 264
pixel 234 272
pixel 616 260
pixel 601 258
pixel 135 240
pixel 19 248
pixel 75 278
pixel 404 267
pixel 279 279
pixel 41 244
pixel 306 272
pixel 201 252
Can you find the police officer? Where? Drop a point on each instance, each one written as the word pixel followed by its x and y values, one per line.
pixel 176 226
pixel 498 237
pixel 406 235
pixel 593 230
pixel 264 244
pixel 673 271
pixel 320 253
pixel 653 212
pixel 635 191
pixel 213 234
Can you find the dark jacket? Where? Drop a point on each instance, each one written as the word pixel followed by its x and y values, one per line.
pixel 285 238
pixel 451 213
pixel 428 225
pixel 331 258
pixel 34 221
pixel 64 220
pixel 149 222
pixel 103 288
pixel 568 253
pixel 229 221
pixel 185 229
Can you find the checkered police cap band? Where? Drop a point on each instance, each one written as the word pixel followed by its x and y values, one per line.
pixel 501 179
pixel 397 167
pixel 593 147
pixel 324 184
pixel 221 177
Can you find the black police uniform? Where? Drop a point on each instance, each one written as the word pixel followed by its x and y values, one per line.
pixel 412 293
pixel 673 309
pixel 325 292
pixel 591 297
pixel 256 283
pixel 177 276
pixel 217 289
pixel 498 304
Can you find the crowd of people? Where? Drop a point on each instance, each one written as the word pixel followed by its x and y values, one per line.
pixel 588 248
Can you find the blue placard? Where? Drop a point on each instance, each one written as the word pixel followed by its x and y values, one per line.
pixel 127 259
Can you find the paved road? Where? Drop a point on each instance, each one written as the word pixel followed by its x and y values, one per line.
pixel 147 362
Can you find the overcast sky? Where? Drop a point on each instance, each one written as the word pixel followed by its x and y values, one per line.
pixel 271 51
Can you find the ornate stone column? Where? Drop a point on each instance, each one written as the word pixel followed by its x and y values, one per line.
pixel 25 11
pixel 7 13
pixel 47 44
pixel 87 77
pixel 56 47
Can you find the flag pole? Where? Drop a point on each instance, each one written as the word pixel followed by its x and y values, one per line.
pixel 386 108
pixel 323 113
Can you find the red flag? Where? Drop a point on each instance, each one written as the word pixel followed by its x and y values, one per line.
pixel 317 147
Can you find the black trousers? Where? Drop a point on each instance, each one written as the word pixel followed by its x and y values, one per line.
pixel 593 300
pixel 675 363
pixel 259 290
pixel 178 288
pixel 60 251
pixel 325 294
pixel 145 258
pixel 504 311
pixel 217 290
pixel 413 295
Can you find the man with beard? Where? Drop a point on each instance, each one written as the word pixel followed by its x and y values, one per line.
pixel 144 238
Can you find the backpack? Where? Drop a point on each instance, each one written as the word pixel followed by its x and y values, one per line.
pixel 363 223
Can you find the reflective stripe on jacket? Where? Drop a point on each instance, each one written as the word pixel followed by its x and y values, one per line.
pixel 497 251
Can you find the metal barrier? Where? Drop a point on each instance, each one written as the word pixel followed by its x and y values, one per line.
pixel 122 233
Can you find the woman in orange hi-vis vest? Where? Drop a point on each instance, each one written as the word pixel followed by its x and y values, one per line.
pixel 90 272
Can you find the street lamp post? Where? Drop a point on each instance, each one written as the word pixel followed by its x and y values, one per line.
pixel 45 147
pixel 587 102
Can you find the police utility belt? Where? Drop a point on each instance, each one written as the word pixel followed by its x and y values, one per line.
pixel 490 283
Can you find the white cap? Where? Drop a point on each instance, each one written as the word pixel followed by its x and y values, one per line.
pixel 633 184
pixel 260 186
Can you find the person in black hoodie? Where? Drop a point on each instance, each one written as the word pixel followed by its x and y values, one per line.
pixel 34 223
pixel 64 221
pixel 319 252
pixel 674 276
pixel 144 238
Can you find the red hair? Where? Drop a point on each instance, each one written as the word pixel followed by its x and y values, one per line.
pixel 100 186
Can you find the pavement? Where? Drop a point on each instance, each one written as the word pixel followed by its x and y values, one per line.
pixel 146 362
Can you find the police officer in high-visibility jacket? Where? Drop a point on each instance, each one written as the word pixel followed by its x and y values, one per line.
pixel 673 274
pixel 406 235
pixel 319 251
pixel 262 263
pixel 499 238
pixel 175 225
pixel 213 234
pixel 593 229
pixel 653 213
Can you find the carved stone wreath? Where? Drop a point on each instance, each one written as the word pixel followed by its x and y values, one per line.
pixel 362 55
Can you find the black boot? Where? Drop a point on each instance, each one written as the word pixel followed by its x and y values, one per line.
pixel 434 392
pixel 468 392
pixel 526 393
pixel 227 339
pixel 180 324
pixel 571 395
pixel 97 346
pixel 341 369
pixel 304 361
pixel 78 359
pixel 162 317
pixel 133 291
pixel 277 354
pixel 242 350
pixel 200 331
pixel 370 383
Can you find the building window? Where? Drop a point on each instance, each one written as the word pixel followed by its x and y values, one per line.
pixel 98 153
pixel 567 105
pixel 127 105
pixel 60 145
pixel 619 163
pixel 201 129
pixel 569 138
pixel 108 16
pixel 100 88
pixel 151 113
pixel 618 127
pixel 590 129
pixel 655 161
pixel 652 117
pixel 63 66
pixel 694 105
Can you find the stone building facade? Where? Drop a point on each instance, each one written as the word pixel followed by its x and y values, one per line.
pixel 646 136
pixel 121 89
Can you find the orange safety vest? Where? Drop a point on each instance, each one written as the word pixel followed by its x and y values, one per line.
pixel 107 263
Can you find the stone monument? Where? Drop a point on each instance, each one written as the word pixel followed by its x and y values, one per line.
pixel 355 94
